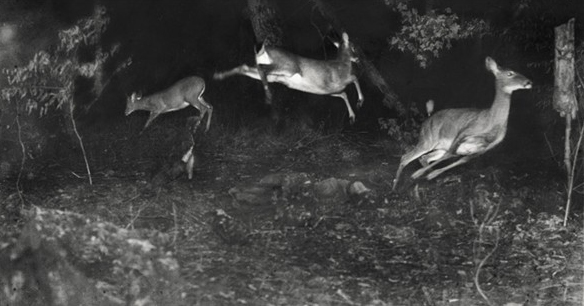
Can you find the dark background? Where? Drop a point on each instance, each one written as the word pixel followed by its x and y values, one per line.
pixel 169 40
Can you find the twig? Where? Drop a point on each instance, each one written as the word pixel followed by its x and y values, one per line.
pixel 553 155
pixel 122 66
pixel 71 108
pixel 134 217
pixel 22 160
pixel 571 176
pixel 481 264
pixel 487 221
pixel 567 146
pixel 345 297
pixel 175 217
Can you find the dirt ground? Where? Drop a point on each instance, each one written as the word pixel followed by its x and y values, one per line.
pixel 310 219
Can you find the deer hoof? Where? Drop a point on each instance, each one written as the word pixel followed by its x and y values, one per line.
pixel 418 173
pixel 432 175
pixel 218 76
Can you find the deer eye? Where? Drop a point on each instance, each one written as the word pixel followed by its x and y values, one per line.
pixel 510 73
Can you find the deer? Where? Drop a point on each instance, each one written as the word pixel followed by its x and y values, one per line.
pixel 185 92
pixel 464 132
pixel 321 77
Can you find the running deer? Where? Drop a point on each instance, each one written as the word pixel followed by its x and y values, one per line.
pixel 188 91
pixel 464 132
pixel 321 77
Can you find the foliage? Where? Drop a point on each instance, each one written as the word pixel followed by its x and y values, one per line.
pixel 48 80
pixel 405 133
pixel 532 28
pixel 425 36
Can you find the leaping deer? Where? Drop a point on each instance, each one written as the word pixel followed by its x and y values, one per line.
pixel 464 132
pixel 185 92
pixel 321 77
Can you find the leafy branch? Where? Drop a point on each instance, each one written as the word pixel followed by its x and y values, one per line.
pixel 425 36
pixel 47 82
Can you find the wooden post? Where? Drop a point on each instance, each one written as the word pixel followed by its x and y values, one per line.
pixel 565 95
pixel 564 87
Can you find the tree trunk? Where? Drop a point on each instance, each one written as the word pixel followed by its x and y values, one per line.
pixel 268 30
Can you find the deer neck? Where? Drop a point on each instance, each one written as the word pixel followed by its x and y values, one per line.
pixel 343 61
pixel 344 54
pixel 499 112
pixel 145 103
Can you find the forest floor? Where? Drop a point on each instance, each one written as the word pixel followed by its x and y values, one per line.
pixel 310 219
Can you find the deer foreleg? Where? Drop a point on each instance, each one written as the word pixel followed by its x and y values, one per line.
pixel 151 118
pixel 205 108
pixel 437 172
pixel 425 169
pixel 343 96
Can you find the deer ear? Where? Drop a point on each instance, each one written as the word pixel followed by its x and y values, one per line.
pixel 491 64
pixel 346 38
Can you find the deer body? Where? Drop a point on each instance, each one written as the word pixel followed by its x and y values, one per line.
pixel 321 77
pixel 185 92
pixel 464 132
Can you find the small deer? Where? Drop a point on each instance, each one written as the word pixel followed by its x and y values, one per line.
pixel 321 77
pixel 465 132
pixel 188 91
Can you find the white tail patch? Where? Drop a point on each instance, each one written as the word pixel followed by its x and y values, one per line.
pixel 430 107
pixel 263 58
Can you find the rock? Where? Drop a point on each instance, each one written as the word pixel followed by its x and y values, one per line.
pixel 254 194
pixel 61 258
pixel 358 188
pixel 331 188
pixel 36 271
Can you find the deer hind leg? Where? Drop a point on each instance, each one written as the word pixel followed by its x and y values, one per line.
pixel 429 158
pixel 361 99
pixel 245 70
pixel 343 96
pixel 205 108
pixel 407 158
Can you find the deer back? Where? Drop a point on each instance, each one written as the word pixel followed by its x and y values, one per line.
pixel 305 74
